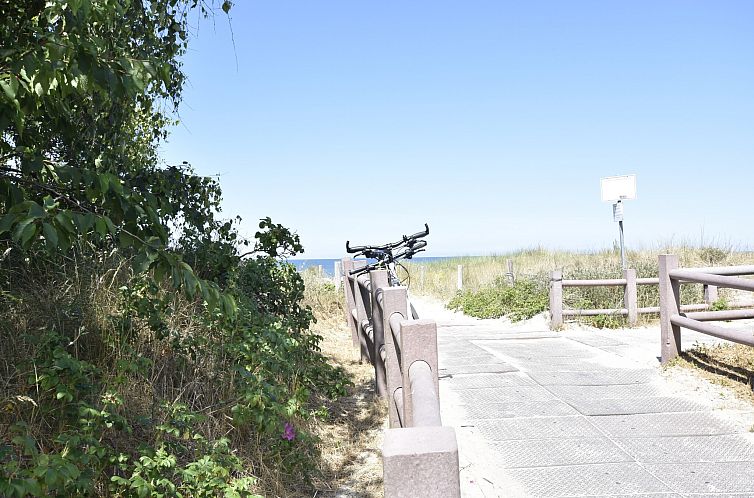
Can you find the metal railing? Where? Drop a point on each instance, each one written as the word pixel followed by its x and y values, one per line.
pixel 672 317
pixel 420 456
pixel 630 307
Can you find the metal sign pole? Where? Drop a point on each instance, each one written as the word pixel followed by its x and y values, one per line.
pixel 622 250
pixel 618 216
pixel 616 189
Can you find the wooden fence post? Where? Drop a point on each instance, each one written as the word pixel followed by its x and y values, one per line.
pixel 510 275
pixel 629 296
pixel 337 275
pixel 556 299
pixel 459 281
pixel 670 304
pixel 710 294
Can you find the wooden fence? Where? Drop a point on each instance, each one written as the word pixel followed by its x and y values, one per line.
pixel 630 307
pixel 672 317
pixel 420 456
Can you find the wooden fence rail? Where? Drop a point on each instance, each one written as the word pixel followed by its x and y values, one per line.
pixel 672 317
pixel 630 307
pixel 420 456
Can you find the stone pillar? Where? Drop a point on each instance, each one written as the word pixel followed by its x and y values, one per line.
pixel 379 280
pixel 421 462
pixel 418 343
pixel 393 301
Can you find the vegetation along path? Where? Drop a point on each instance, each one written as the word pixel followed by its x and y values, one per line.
pixel 585 413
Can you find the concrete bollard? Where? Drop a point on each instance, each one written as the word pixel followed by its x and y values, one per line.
pixel 418 343
pixel 379 280
pixel 394 300
pixel 421 462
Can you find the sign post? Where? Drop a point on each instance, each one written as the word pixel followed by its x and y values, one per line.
pixel 616 189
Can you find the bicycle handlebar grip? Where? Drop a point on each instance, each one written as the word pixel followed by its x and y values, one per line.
pixel 419 245
pixel 418 235
pixel 351 250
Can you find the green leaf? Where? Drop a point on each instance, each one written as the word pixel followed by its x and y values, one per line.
pixel 36 211
pixel 51 235
pixel 10 87
pixel 64 220
pixel 7 222
pixel 100 227
pixel 226 6
pixel 21 228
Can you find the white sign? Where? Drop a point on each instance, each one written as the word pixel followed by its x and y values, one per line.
pixel 616 188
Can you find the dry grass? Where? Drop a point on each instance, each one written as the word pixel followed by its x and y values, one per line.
pixel 728 365
pixel 350 465
pixel 438 278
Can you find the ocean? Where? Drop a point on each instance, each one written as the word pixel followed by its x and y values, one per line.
pixel 328 265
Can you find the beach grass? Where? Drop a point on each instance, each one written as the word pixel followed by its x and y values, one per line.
pixel 439 278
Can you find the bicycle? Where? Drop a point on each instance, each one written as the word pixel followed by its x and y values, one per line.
pixel 387 259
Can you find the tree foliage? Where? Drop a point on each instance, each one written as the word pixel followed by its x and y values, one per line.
pixel 114 383
pixel 86 90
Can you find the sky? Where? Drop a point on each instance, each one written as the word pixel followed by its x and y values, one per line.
pixel 492 121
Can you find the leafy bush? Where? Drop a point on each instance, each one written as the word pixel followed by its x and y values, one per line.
pixel 141 356
pixel 520 301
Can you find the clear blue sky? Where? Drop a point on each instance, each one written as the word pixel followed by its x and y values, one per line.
pixel 493 121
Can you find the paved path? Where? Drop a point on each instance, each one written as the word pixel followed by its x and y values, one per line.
pixel 586 413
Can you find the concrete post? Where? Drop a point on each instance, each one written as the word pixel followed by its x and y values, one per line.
pixel 361 314
pixel 670 304
pixel 556 299
pixel 418 343
pixel 337 275
pixel 394 300
pixel 421 462
pixel 630 296
pixel 459 281
pixel 378 279
pixel 348 265
pixel 710 294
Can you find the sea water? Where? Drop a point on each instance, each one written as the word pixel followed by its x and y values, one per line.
pixel 328 265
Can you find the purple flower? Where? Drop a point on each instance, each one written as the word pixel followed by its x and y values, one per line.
pixel 289 432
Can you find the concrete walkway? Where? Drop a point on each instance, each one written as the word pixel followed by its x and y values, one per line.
pixel 586 413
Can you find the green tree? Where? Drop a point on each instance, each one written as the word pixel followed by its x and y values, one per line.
pixel 86 91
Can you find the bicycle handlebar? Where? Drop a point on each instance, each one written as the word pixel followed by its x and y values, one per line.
pixel 392 245
pixel 408 253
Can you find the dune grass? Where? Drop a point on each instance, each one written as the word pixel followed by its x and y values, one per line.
pixel 483 274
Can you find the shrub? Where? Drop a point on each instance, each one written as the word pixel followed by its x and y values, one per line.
pixel 520 301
